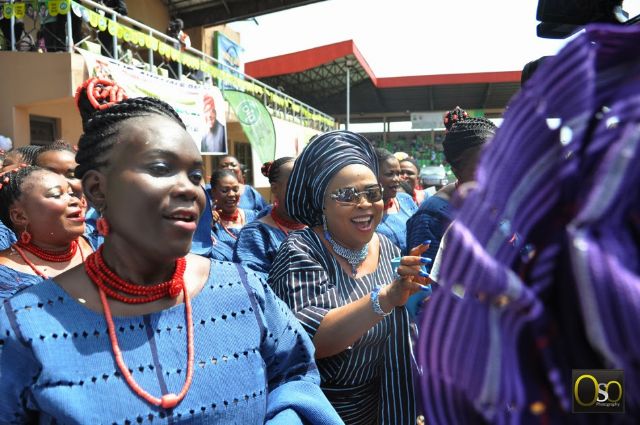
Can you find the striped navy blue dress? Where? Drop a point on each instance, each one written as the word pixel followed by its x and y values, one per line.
pixel 370 382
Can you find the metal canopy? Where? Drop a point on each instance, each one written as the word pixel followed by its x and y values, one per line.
pixel 214 12
pixel 318 77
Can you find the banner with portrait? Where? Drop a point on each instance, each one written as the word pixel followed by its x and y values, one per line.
pixel 202 108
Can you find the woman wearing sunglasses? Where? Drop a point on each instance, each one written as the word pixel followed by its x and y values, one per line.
pixel 336 276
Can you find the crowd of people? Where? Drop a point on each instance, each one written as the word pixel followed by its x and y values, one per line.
pixel 133 291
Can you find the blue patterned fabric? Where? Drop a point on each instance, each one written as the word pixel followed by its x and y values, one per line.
pixel 253 362
pixel 201 243
pixel 7 237
pixel 394 226
pixel 257 246
pixel 11 281
pixel 90 229
pixel 429 223
pixel 370 382
pixel 223 242
pixel 251 199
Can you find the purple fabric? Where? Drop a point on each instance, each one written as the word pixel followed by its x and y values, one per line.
pixel 545 249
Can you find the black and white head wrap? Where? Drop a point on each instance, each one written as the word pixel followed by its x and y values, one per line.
pixel 312 171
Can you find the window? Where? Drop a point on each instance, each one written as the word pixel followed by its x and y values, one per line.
pixel 243 153
pixel 44 130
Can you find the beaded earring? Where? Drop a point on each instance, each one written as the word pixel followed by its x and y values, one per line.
pixel 103 226
pixel 25 236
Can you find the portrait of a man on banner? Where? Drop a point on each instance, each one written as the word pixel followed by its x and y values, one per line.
pixel 214 140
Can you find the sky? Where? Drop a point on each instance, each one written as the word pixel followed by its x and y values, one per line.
pixel 410 37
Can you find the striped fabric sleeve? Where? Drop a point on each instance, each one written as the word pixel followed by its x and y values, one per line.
pixel 302 283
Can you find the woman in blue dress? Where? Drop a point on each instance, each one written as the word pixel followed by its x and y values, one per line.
pixel 43 209
pixel 250 198
pixel 145 332
pixel 259 241
pixel 225 190
pixel 336 276
pixel 398 206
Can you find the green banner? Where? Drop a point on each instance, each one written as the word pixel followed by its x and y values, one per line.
pixel 256 123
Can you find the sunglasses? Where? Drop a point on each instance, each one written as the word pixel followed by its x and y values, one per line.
pixel 350 196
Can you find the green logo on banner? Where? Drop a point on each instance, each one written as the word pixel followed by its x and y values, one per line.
pixel 256 122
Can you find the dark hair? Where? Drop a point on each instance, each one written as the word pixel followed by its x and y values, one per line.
pixel 219 175
pixel 229 156
pixel 271 169
pixel 102 126
pixel 176 24
pixel 530 68
pixel 56 146
pixel 11 190
pixel 28 153
pixel 383 155
pixel 412 161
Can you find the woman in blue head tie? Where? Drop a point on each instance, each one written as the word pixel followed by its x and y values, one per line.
pixel 336 276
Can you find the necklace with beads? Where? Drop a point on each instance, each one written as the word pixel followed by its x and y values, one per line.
pixel 235 218
pixel 109 283
pixel 46 255
pixel 285 224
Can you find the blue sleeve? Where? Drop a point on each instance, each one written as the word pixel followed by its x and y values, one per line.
pixel 261 203
pixel 18 370
pixel 294 396
pixel 424 226
pixel 252 249
pixel 90 228
pixel 7 237
pixel 11 281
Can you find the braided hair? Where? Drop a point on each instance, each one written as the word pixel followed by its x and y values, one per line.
pixel 11 190
pixel 27 154
pixel 466 136
pixel 56 146
pixel 271 169
pixel 101 125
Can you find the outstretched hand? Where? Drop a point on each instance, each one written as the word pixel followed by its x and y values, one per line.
pixel 411 278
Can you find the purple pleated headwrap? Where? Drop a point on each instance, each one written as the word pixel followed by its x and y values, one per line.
pixel 545 250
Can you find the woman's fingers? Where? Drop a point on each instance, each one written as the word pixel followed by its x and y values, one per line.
pixel 420 249
pixel 410 260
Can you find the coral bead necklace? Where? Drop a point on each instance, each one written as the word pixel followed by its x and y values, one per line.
pixel 50 256
pixel 285 224
pixel 109 283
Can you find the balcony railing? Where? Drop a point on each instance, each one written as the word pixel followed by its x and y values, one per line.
pixel 155 50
